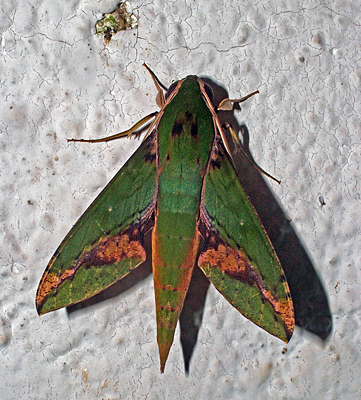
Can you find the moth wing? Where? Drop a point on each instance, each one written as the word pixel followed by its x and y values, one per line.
pixel 106 243
pixel 238 257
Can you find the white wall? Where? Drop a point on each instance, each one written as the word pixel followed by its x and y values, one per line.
pixel 58 81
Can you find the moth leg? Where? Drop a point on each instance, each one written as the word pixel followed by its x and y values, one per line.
pixel 234 136
pixel 129 132
pixel 160 101
pixel 238 145
pixel 227 104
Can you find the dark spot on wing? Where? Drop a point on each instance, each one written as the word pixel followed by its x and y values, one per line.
pixel 194 130
pixel 215 164
pixel 177 128
pixel 169 308
pixel 150 148
pixel 188 116
pixel 150 157
pixel 185 124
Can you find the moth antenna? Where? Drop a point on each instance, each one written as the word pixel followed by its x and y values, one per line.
pixel 160 87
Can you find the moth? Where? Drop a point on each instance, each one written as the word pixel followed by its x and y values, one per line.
pixel 181 184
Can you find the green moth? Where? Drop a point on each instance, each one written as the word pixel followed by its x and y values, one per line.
pixel 182 185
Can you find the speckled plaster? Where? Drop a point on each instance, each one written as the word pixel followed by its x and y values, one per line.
pixel 57 81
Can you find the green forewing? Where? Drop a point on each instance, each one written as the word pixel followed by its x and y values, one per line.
pixel 238 256
pixel 107 241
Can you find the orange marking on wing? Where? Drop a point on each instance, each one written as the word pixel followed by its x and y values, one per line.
pixel 228 260
pixel 108 251
pixel 49 283
pixel 115 249
pixel 236 265
pixel 284 309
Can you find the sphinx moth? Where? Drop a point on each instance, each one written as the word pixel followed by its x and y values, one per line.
pixel 181 184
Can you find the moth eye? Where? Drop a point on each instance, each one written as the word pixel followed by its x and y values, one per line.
pixel 171 89
pixel 209 91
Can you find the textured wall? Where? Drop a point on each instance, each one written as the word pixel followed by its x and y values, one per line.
pixel 57 81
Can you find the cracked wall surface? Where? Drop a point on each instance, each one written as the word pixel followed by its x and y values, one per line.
pixel 59 81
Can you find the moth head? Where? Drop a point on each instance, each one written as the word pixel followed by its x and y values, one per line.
pixel 171 89
pixel 207 88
